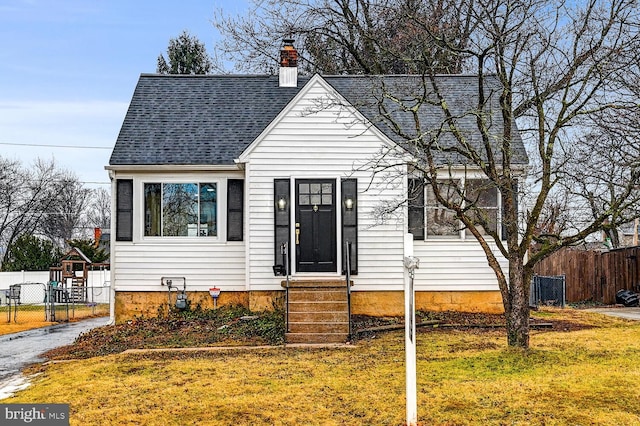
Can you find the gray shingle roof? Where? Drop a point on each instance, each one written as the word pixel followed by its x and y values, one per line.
pixel 211 120
pixel 371 96
pixel 175 119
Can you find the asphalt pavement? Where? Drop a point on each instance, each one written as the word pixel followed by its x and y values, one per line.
pixel 632 313
pixel 18 350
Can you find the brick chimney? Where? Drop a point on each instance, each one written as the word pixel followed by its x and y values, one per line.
pixel 288 64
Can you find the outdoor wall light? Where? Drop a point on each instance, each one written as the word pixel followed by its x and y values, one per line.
pixel 282 203
pixel 348 203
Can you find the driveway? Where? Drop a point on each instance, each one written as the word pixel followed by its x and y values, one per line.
pixel 18 350
pixel 628 313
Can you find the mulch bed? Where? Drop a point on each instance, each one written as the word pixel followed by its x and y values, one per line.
pixel 154 333
pixel 427 322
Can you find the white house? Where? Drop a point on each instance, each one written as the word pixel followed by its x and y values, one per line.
pixel 214 177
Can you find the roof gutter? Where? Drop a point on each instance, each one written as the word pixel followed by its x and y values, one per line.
pixel 174 168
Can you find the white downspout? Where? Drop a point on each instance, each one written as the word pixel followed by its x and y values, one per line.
pixel 112 257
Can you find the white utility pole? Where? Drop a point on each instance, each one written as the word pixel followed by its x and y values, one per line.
pixel 411 264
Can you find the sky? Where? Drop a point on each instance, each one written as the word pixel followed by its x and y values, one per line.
pixel 68 69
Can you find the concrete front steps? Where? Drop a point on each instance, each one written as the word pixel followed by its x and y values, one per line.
pixel 318 311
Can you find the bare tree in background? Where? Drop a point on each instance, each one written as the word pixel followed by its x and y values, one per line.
pixel 597 176
pixel 99 209
pixel 45 200
pixel 346 36
pixel 25 195
pixel 64 217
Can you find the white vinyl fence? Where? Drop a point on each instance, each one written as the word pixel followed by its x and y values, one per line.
pixel 99 281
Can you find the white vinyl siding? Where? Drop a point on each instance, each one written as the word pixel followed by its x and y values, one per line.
pixel 320 145
pixel 326 144
pixel 303 145
pixel 204 262
pixel 454 266
pixel 141 266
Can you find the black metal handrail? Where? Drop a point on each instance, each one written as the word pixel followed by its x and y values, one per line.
pixel 348 279
pixel 285 255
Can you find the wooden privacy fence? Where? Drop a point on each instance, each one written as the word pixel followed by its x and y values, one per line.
pixel 595 275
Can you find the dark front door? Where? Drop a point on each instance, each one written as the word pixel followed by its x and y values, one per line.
pixel 315 227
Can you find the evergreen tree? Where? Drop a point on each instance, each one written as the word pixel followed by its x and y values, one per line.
pixel 186 55
pixel 90 249
pixel 30 253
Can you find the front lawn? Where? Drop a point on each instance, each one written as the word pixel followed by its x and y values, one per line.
pixel 583 371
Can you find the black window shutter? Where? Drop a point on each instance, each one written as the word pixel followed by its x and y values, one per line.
pixel 281 191
pixel 124 210
pixel 235 206
pixel 350 225
pixel 416 208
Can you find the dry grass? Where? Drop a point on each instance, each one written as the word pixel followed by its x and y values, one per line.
pixel 465 377
pixel 8 328
pixel 34 314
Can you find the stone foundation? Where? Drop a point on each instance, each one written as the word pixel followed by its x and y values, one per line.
pixel 132 304
pixel 391 303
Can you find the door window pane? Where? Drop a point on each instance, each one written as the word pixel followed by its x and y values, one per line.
pixel 315 194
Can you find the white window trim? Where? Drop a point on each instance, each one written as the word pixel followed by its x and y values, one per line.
pixel 292 218
pixel 221 204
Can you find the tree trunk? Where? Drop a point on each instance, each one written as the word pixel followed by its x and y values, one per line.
pixel 517 309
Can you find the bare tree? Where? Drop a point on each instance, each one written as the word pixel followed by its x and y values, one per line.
pixel 25 194
pixel 99 209
pixel 560 68
pixel 596 176
pixel 346 36
pixel 64 216
pixel 565 72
